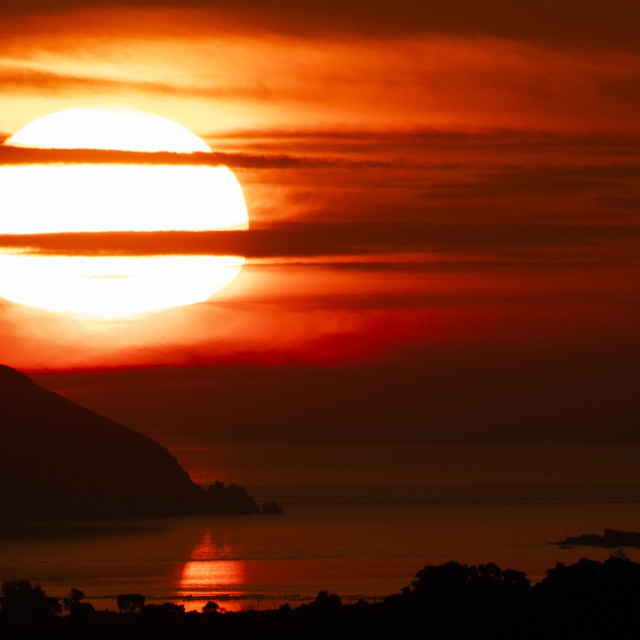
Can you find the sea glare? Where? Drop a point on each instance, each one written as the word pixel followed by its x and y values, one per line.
pixel 375 516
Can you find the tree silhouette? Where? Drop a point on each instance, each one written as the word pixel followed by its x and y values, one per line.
pixel 72 603
pixel 130 603
pixel 211 608
pixel 592 599
pixel 25 606
pixel 326 601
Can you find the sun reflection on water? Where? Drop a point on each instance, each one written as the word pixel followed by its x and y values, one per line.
pixel 207 576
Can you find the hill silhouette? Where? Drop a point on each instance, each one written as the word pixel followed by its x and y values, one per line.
pixel 59 460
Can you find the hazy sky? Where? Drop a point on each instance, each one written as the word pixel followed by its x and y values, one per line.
pixel 444 205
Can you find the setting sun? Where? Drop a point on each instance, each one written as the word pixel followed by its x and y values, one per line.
pixel 48 198
pixel 401 401
pixel 114 128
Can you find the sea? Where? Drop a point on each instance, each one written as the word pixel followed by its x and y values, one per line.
pixel 363 515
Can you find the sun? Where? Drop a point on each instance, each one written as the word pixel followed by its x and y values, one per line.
pixel 67 198
pixel 113 128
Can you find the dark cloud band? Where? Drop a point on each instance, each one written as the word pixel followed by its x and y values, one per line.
pixel 10 155
pixel 314 239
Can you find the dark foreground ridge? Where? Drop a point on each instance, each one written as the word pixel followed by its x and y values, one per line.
pixel 585 600
pixel 59 460
pixel 612 538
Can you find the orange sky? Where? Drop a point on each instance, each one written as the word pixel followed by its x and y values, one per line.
pixel 270 66
pixel 419 181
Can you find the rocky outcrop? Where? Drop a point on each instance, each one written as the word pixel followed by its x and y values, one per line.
pixel 59 460
pixel 232 500
pixel 272 509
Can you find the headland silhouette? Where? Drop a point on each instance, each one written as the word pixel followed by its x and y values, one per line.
pixel 62 461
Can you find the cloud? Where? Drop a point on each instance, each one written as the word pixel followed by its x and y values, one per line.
pixel 199 64
pixel 26 81
pixel 317 239
pixel 14 155
pixel 17 155
pixel 565 23
pixel 504 184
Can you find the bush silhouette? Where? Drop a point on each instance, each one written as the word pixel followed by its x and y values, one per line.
pixel 211 608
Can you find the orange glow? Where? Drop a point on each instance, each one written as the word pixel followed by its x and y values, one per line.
pixel 222 73
pixel 100 198
pixel 112 287
pixel 206 576
pixel 332 128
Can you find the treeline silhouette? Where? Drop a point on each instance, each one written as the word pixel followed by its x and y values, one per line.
pixel 588 599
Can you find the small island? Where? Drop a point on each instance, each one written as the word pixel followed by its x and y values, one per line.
pixel 611 538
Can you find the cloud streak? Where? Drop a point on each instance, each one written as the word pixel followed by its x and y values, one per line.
pixel 317 239
pixel 10 155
